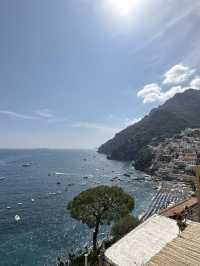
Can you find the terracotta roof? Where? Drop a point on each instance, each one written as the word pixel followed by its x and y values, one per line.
pixel 178 208
pixel 182 251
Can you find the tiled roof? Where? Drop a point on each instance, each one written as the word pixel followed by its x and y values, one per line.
pixel 182 251
pixel 179 207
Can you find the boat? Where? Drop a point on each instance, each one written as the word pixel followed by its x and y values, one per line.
pixel 59 173
pixel 27 164
pixel 155 187
pixel 17 218
pixel 51 193
pixel 138 179
pixel 148 177
pixel 128 175
pixel 114 178
pixel 56 174
pixel 70 184
pixel 2 178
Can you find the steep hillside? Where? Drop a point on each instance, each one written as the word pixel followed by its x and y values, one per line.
pixel 172 117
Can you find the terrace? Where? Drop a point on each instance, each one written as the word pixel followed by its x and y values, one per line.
pixel 157 242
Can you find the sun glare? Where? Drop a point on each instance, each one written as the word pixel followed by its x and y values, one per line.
pixel 123 8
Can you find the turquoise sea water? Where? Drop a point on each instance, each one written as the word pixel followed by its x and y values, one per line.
pixel 39 197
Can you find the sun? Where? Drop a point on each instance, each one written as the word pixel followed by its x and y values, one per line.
pixel 123 8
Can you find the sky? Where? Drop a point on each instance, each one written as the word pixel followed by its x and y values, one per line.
pixel 75 72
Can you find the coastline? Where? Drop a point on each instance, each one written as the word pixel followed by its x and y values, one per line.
pixel 169 193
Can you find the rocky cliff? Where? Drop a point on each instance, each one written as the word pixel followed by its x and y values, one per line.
pixel 180 112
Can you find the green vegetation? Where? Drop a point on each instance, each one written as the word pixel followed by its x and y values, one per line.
pixel 144 159
pixel 124 226
pixel 100 205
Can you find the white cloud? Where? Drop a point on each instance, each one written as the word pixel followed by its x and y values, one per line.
pixel 155 93
pixel 17 115
pixel 129 122
pixel 150 93
pixel 45 113
pixel 42 115
pixel 96 126
pixel 178 74
pixel 57 120
pixel 50 117
pixel 171 92
pixel 195 83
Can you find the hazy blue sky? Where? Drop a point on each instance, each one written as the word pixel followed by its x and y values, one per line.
pixel 74 72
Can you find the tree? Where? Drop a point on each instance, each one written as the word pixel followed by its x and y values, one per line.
pixel 100 205
pixel 124 226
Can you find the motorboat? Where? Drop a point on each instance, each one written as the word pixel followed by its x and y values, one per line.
pixel 17 218
pixel 27 164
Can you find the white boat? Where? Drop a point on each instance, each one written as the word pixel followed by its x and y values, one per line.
pixel 52 193
pixel 147 177
pixel 56 173
pixel 59 173
pixel 17 218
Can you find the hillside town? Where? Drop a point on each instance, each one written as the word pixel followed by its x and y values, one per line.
pixel 175 210
pixel 175 158
pixel 173 165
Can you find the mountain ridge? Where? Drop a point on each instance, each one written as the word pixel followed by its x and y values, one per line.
pixel 180 112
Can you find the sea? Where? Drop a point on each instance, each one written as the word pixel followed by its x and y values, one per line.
pixel 35 187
